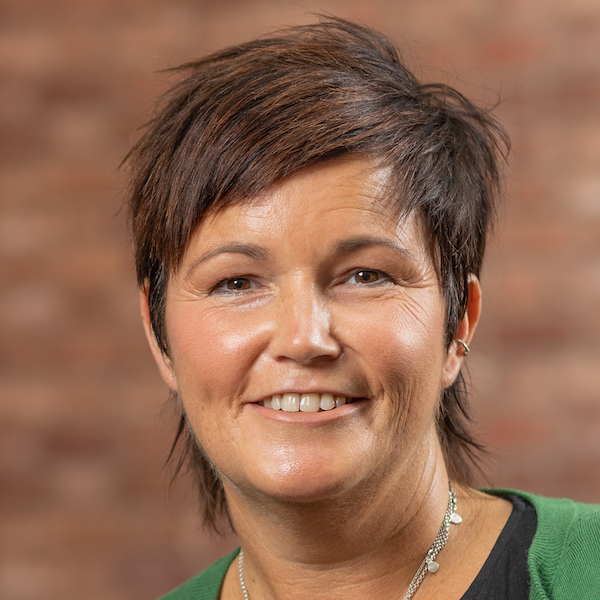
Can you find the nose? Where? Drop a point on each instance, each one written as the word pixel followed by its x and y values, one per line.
pixel 303 329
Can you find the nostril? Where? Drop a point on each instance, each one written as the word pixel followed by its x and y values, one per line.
pixel 305 349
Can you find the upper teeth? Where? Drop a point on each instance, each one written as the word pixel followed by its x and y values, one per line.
pixel 309 402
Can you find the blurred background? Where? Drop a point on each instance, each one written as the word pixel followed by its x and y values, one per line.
pixel 85 511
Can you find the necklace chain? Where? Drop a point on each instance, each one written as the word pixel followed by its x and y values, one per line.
pixel 427 566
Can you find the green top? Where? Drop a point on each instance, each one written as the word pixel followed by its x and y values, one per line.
pixel 564 558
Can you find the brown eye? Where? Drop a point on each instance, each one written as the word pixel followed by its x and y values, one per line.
pixel 366 276
pixel 238 283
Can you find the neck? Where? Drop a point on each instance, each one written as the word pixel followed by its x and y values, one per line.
pixel 371 542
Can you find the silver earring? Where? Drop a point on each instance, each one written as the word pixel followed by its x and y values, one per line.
pixel 467 349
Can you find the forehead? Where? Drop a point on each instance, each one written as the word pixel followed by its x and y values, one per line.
pixel 338 198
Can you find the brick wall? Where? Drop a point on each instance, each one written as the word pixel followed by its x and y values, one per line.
pixel 84 508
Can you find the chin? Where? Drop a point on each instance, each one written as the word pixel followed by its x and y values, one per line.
pixel 300 492
pixel 295 481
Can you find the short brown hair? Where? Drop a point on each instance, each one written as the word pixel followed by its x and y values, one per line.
pixel 243 118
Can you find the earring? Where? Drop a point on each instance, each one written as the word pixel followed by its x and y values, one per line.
pixel 467 349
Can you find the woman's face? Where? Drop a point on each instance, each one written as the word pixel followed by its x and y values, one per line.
pixel 310 289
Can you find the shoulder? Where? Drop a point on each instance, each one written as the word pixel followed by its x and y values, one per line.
pixel 564 558
pixel 205 585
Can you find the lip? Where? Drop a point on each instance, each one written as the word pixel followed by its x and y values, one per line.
pixel 300 417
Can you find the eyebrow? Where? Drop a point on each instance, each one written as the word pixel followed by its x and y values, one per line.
pixel 260 253
pixel 250 250
pixel 357 242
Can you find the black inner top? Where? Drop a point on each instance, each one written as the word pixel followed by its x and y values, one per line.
pixel 504 575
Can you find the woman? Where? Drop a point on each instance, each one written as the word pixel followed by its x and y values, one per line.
pixel 309 225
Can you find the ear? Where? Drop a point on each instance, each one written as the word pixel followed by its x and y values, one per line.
pixel 466 328
pixel 162 360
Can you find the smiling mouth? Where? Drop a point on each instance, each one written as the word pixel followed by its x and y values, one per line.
pixel 309 402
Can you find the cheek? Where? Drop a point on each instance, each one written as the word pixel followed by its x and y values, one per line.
pixel 402 348
pixel 211 352
pixel 401 338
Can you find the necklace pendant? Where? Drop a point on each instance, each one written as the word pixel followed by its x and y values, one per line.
pixel 433 566
pixel 455 518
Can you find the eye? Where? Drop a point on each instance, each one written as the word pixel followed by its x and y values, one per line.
pixel 234 284
pixel 366 276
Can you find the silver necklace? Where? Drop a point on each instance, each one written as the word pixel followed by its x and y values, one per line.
pixel 429 565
